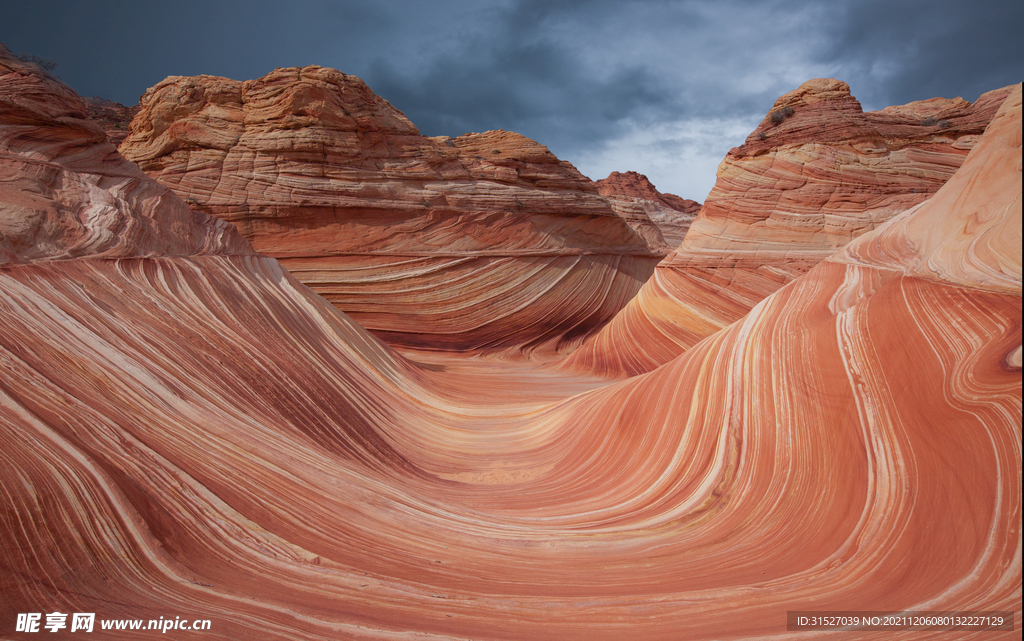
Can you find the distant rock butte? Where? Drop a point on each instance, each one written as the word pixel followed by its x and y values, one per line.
pixel 815 174
pixel 485 241
pixel 672 214
pixel 632 184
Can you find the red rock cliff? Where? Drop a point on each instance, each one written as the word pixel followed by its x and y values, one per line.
pixel 66 194
pixel 112 117
pixel 485 241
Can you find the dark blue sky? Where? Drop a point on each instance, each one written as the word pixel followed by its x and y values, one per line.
pixel 658 86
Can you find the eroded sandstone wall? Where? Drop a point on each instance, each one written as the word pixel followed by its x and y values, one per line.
pixel 815 174
pixel 485 241
pixel 66 193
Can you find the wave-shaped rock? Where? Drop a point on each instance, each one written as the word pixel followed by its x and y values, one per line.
pixel 201 435
pixel 484 241
pixel 969 234
pixel 815 174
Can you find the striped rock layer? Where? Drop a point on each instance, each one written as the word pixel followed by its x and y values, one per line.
pixel 670 213
pixel 485 241
pixel 815 174
pixel 202 436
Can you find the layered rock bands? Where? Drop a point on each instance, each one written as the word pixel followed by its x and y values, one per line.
pixel 815 174
pixel 485 241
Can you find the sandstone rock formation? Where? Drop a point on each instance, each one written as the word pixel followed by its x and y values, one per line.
pixel 112 117
pixel 672 215
pixel 815 174
pixel 66 194
pixel 201 435
pixel 485 241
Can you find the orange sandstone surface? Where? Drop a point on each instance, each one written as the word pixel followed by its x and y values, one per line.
pixel 815 174
pixel 185 428
pixel 485 241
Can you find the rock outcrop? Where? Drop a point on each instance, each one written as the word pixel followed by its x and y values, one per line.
pixel 66 194
pixel 485 241
pixel 202 436
pixel 969 234
pixel 113 117
pixel 670 213
pixel 815 174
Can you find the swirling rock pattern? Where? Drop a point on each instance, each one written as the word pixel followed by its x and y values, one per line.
pixel 670 213
pixel 203 435
pixel 485 241
pixel 815 174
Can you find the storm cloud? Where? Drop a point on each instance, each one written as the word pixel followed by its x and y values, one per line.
pixel 657 86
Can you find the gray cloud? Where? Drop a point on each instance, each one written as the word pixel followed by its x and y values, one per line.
pixel 897 52
pixel 666 86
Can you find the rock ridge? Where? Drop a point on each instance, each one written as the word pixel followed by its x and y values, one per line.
pixel 815 174
pixel 319 172
pixel 66 193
